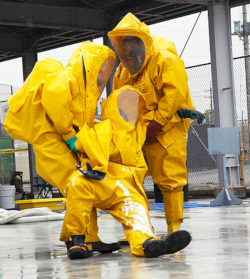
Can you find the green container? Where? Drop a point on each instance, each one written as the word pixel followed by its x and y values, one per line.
pixel 6 160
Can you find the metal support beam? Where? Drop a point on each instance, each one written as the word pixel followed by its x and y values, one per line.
pixel 223 82
pixel 29 60
pixel 11 42
pixel 56 17
pixel 203 2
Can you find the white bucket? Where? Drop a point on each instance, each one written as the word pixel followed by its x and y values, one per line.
pixel 7 196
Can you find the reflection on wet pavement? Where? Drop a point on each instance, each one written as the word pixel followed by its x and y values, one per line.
pixel 219 249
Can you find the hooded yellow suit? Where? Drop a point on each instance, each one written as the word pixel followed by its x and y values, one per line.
pixel 114 147
pixel 159 74
pixel 54 103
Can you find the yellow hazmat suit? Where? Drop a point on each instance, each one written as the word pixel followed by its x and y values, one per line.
pixel 114 147
pixel 151 65
pixel 54 103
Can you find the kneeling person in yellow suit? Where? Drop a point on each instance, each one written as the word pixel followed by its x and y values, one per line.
pixel 52 106
pixel 114 147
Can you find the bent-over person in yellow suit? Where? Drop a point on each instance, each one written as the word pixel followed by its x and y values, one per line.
pixel 53 104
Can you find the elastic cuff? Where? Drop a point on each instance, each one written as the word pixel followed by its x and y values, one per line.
pixel 175 118
pixel 74 150
pixel 78 146
pixel 69 135
pixel 71 141
pixel 159 119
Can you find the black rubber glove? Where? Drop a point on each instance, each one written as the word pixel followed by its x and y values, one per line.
pixel 192 114
pixel 90 173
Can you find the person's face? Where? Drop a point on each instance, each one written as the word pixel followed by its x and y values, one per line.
pixel 132 53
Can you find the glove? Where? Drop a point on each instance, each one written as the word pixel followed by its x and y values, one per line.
pixel 192 114
pixel 71 144
pixel 153 128
pixel 90 173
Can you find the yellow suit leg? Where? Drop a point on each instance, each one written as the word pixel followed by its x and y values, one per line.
pixel 92 236
pixel 64 233
pixel 173 203
pixel 118 197
pixel 133 213
pixel 55 163
pixel 80 198
pixel 169 172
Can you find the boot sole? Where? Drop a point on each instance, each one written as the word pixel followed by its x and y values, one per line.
pixel 169 244
pixel 123 242
pixel 78 253
pixel 104 248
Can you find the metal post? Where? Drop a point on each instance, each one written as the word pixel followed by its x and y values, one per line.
pixel 29 59
pixel 13 143
pixel 247 63
pixel 223 83
pixel 224 141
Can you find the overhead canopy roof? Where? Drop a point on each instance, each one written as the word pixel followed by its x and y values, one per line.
pixel 49 24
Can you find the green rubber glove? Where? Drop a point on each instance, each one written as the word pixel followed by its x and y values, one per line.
pixel 71 144
pixel 192 114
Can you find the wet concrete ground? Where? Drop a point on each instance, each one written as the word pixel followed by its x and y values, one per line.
pixel 219 249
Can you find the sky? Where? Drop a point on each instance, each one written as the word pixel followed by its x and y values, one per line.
pixel 178 30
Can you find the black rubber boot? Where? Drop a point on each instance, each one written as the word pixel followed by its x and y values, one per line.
pixel 103 248
pixel 125 242
pixel 98 246
pixel 167 244
pixel 79 250
pixel 69 244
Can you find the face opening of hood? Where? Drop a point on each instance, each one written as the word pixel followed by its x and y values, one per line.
pixel 130 105
pixel 104 73
pixel 123 107
pixel 131 51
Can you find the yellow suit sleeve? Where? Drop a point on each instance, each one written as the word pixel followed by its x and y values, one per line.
pixel 57 94
pixel 95 143
pixel 170 79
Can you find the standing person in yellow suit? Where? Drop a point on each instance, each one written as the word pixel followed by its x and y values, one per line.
pixel 151 65
pixel 113 147
pixel 53 104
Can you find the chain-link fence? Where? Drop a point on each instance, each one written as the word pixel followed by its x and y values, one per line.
pixel 7 159
pixel 10 161
pixel 202 167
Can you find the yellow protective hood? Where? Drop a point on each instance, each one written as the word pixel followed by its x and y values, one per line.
pixel 93 56
pixel 120 103
pixel 163 44
pixel 123 107
pixel 55 98
pixel 132 26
